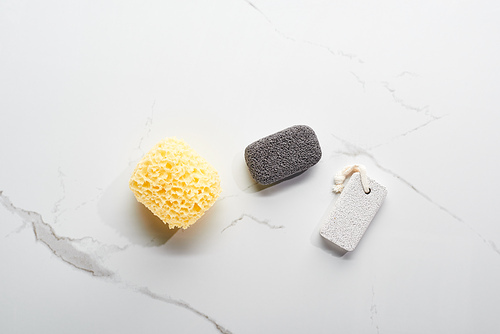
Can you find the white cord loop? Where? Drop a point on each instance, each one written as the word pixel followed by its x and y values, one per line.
pixel 348 171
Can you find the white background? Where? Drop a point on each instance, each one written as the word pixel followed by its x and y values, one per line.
pixel 410 90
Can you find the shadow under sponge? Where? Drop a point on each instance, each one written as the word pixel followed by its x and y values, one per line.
pixel 283 154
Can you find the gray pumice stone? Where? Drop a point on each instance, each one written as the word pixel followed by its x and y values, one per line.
pixel 282 154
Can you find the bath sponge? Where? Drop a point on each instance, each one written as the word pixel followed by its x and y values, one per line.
pixel 282 154
pixel 175 183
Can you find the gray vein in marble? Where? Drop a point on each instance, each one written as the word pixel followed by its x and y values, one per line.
pixel 220 199
pixel 353 151
pixel 263 222
pixel 259 11
pixel 56 209
pixel 404 134
pixel 17 230
pixel 251 185
pixel 285 36
pixel 341 53
pixel 338 53
pixel 91 200
pixel 494 247
pixel 148 125
pixel 64 248
pixel 180 303
pixel 352 57
pixel 406 73
pixel 61 247
pixel 147 130
pixel 425 109
pixel 374 311
pixel 358 79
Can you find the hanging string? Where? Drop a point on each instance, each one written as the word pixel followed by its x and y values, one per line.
pixel 348 171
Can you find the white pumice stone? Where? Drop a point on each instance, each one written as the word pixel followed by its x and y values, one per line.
pixel 352 213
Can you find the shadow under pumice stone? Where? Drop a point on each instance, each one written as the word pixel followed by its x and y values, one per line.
pixel 327 246
pixel 120 210
pixel 332 248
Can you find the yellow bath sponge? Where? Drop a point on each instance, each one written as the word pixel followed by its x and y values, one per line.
pixel 175 183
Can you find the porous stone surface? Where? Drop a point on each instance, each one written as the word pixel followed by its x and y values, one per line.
pixel 283 154
pixel 354 210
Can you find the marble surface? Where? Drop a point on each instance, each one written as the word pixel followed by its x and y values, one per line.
pixel 410 90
